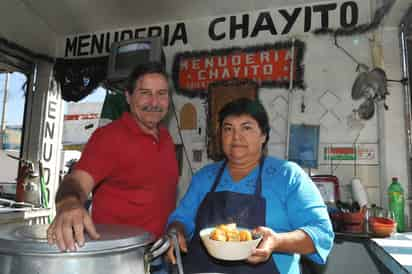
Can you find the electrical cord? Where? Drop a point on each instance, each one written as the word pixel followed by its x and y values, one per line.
pixel 179 130
pixel 359 64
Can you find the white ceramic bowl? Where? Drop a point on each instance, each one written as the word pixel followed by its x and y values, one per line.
pixel 228 251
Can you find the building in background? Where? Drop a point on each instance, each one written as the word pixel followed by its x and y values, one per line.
pixel 80 121
pixel 12 138
pixel 10 146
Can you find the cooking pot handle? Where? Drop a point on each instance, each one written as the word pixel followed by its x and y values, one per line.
pixel 175 242
pixel 158 248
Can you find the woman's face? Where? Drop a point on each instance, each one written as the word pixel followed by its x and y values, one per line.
pixel 242 139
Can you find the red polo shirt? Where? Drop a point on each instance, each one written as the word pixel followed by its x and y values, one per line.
pixel 135 176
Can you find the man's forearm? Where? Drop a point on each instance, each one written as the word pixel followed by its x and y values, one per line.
pixel 70 188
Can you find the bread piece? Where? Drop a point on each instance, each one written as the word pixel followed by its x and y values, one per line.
pixel 218 235
pixel 233 235
pixel 227 227
pixel 245 235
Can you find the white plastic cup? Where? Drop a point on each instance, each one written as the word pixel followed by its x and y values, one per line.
pixel 358 192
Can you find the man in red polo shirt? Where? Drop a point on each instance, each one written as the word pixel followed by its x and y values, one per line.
pixel 129 164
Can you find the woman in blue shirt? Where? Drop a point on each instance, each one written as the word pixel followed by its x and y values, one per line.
pixel 272 196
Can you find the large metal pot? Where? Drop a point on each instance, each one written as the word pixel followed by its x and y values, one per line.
pixel 120 250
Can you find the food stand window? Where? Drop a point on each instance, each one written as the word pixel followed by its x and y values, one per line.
pixel 13 90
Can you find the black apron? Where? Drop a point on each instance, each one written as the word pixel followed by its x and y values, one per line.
pixel 246 210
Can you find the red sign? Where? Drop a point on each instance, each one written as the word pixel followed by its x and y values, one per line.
pixel 88 116
pixel 267 65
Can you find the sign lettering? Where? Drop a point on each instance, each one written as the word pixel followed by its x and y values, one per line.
pixel 253 25
pixel 268 65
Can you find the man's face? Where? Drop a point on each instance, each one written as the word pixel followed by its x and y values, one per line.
pixel 149 102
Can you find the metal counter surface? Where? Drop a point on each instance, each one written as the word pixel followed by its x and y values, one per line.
pixel 395 251
pixel 25 215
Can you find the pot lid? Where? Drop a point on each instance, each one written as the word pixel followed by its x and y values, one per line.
pixel 31 240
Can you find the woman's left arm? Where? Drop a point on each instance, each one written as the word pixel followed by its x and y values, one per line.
pixel 296 241
pixel 303 216
pixel 308 214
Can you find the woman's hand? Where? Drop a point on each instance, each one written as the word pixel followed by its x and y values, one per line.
pixel 296 241
pixel 180 233
pixel 266 247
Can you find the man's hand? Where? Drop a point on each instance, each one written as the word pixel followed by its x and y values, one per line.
pixel 180 233
pixel 69 224
pixel 266 247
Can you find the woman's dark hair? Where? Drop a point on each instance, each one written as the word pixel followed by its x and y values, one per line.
pixel 250 107
pixel 142 69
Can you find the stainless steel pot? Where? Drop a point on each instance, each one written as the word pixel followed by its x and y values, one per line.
pixel 120 250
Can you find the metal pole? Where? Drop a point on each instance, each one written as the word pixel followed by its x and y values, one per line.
pixel 3 115
pixel 290 97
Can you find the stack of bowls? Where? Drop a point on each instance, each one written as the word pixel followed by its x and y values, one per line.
pixel 353 221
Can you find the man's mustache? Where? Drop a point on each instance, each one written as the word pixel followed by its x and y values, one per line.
pixel 152 109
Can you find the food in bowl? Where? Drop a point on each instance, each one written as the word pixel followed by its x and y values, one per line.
pixel 229 248
pixel 230 233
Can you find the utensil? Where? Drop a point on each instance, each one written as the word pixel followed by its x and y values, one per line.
pixel 14 204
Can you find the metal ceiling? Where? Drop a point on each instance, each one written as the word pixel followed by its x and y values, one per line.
pixel 78 16
pixel 37 24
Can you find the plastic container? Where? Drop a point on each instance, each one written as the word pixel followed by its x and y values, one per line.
pixel 397 203
pixel 382 227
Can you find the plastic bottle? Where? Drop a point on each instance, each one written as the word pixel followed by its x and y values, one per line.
pixel 397 203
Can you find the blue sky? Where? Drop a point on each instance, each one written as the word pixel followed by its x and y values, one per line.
pixel 15 100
